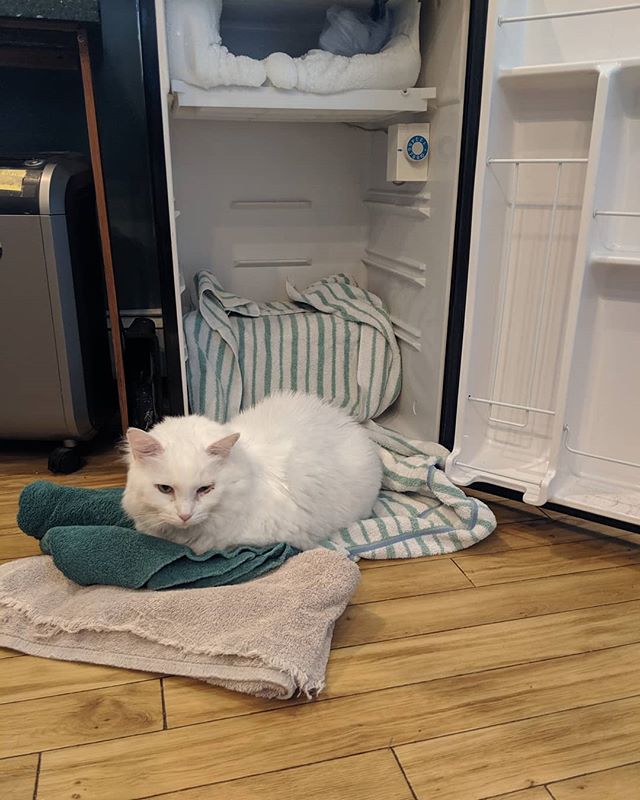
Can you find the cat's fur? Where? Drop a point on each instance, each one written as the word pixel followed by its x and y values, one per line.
pixel 292 469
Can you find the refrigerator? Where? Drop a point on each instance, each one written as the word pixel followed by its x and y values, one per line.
pixel 511 269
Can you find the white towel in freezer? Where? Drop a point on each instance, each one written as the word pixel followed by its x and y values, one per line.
pixel 198 56
pixel 196 52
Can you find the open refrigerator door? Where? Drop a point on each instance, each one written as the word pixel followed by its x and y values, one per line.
pixel 550 370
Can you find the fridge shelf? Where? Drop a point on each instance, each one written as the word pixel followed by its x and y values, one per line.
pixel 554 75
pixel 614 260
pixel 501 404
pixel 601 213
pixel 597 456
pixel 518 161
pixel 563 14
pixel 268 104
pixel 609 498
pixel 509 265
pixel 618 230
pixel 508 474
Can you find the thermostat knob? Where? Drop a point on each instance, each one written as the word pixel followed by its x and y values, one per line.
pixel 417 148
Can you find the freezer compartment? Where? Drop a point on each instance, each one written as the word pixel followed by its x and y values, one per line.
pixel 530 192
pixel 262 61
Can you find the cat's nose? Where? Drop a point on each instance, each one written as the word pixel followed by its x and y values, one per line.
pixel 185 517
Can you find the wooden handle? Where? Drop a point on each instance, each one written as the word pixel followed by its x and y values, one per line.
pixel 103 225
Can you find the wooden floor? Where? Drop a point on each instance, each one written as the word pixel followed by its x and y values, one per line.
pixel 510 670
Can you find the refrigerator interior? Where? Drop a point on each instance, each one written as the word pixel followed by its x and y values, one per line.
pixel 270 185
pixel 550 373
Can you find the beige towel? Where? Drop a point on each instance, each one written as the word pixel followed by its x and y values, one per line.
pixel 269 637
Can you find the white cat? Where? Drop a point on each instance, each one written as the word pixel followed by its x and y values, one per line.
pixel 292 469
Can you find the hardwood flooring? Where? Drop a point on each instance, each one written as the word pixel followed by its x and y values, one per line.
pixel 510 671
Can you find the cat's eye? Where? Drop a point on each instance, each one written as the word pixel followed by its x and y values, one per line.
pixel 162 487
pixel 205 489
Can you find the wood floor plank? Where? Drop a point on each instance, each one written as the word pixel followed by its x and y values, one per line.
pixel 18 545
pixel 233 748
pixel 535 793
pixel 382 665
pixel 8 528
pixel 505 514
pixel 371 776
pixel 189 702
pixel 618 783
pixel 516 755
pixel 18 777
pixel 461 651
pixel 28 677
pixel 395 619
pixel 93 476
pixel 71 719
pixel 5 653
pixel 559 559
pixel 12 487
pixel 409 578
pixel 541 532
pixel 597 528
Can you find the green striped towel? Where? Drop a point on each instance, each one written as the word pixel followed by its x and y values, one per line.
pixel 334 339
pixel 419 512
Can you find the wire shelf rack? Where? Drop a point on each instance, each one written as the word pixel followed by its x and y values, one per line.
pixel 492 399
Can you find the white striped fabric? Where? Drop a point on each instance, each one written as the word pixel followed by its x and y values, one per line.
pixel 334 339
pixel 419 512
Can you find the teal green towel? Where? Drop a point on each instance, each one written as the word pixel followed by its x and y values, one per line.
pixel 105 554
pixel 45 505
pixel 92 541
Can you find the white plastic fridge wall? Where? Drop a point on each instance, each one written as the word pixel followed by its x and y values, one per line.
pixel 258 203
pixel 553 315
pixel 409 256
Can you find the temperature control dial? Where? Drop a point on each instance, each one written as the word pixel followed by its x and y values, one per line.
pixel 417 148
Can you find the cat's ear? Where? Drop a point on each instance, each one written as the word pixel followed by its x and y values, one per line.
pixel 143 445
pixel 223 446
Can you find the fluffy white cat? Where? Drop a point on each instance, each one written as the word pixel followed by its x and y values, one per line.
pixel 291 469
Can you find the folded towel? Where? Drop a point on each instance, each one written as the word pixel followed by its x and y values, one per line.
pixel 332 339
pixel 270 637
pixel 396 66
pixel 92 541
pixel 196 52
pixel 44 505
pixel 111 556
pixel 419 512
pixel 198 56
